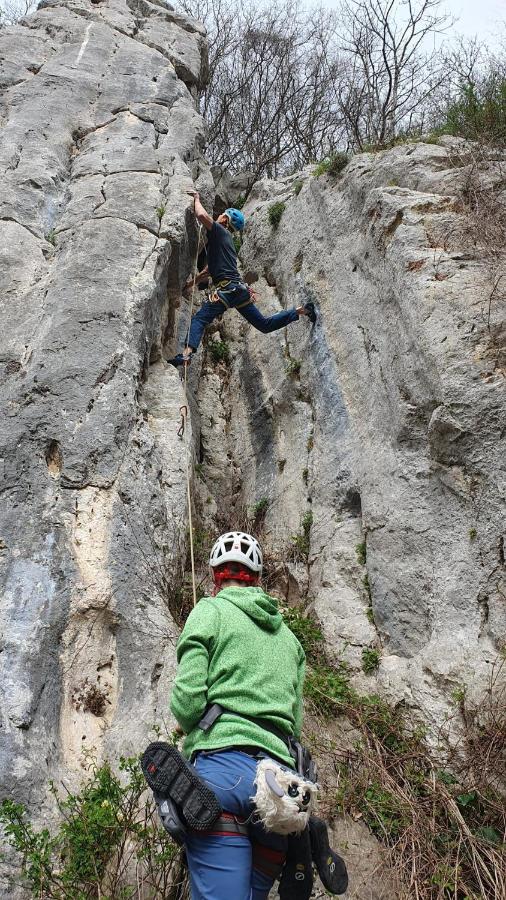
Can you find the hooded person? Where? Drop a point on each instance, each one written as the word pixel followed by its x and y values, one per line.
pixel 230 292
pixel 237 697
pixel 236 651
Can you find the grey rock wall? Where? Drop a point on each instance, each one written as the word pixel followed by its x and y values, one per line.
pixel 99 142
pixel 390 427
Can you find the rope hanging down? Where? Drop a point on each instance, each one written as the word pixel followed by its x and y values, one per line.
pixel 183 431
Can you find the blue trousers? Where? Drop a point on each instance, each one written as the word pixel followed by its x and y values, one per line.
pixel 233 298
pixel 232 866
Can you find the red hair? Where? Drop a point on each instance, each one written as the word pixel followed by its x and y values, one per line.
pixel 234 571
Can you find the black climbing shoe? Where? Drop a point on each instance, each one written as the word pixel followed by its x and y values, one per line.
pixel 169 775
pixel 171 820
pixel 331 868
pixel 311 311
pixel 296 882
pixel 180 360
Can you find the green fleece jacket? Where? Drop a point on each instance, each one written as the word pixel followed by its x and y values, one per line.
pixel 236 650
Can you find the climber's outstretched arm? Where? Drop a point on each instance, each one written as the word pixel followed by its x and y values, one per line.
pixel 203 217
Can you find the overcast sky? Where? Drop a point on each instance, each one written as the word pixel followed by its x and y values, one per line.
pixel 483 17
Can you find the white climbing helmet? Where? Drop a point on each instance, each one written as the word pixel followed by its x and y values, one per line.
pixel 235 546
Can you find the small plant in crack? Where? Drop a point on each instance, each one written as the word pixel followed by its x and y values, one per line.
pixel 51 237
pixel 91 698
pixel 220 351
pixel 160 212
pixel 293 366
pixel 276 211
pixel 361 551
pixel 370 660
pixel 301 540
pixel 259 511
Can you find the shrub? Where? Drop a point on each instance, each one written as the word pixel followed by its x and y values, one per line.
pixel 479 112
pixel 220 351
pixel 106 830
pixel 276 211
pixel 332 166
pixel 301 540
pixel 307 630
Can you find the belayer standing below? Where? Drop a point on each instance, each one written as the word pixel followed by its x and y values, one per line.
pixel 230 291
pixel 243 808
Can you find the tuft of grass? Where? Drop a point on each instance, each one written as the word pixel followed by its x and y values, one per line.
pixel 297 186
pixel 472 534
pixel 297 262
pixel 160 212
pixel 305 476
pixel 301 540
pixel 51 237
pixel 220 351
pixel 292 366
pixel 275 213
pixel 370 660
pixel 332 166
pixel 361 551
pixel 259 511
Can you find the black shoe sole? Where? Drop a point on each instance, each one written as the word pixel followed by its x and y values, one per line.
pixel 169 775
pixel 331 868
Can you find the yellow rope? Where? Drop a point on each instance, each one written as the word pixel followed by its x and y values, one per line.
pixel 185 431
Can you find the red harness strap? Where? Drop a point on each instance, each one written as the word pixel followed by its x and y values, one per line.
pixel 225 826
pixel 268 861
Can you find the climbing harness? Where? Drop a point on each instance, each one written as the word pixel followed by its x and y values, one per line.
pixel 303 763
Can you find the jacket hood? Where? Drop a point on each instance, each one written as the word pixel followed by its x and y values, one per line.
pixel 256 604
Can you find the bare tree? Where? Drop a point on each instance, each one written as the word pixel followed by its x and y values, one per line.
pixel 12 11
pixel 389 75
pixel 271 100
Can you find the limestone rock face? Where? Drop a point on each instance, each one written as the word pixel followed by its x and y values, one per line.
pixel 99 142
pixel 384 425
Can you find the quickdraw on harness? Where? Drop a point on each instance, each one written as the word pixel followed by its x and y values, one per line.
pixel 218 292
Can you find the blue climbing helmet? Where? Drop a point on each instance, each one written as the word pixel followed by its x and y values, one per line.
pixel 235 218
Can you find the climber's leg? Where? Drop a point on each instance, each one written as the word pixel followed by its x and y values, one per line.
pixel 266 324
pixel 206 314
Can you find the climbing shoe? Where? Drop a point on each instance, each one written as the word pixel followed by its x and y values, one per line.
pixel 180 360
pixel 331 868
pixel 171 820
pixel 311 311
pixel 170 776
pixel 296 882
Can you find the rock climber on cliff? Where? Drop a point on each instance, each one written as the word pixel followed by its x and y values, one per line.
pixel 230 292
pixel 243 808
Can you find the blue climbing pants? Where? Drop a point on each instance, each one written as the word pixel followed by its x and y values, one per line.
pixel 227 866
pixel 232 298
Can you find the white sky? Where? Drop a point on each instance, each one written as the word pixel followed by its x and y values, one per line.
pixel 487 18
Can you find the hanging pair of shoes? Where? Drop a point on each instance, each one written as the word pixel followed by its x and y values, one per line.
pixel 312 846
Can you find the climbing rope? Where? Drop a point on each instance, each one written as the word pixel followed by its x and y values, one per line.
pixel 183 431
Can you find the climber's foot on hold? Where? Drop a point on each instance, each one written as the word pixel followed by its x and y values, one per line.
pixel 331 868
pixel 181 359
